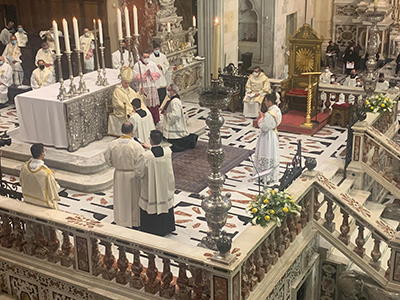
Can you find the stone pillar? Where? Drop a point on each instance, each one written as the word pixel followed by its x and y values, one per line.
pixel 323 19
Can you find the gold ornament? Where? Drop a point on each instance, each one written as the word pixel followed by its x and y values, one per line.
pixel 304 60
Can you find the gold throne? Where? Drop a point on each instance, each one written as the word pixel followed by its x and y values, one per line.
pixel 305 57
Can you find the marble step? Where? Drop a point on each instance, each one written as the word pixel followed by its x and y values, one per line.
pixel 86 183
pixel 375 208
pixel 329 170
pixel 359 195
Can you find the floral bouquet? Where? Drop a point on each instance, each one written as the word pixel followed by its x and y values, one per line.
pixel 272 205
pixel 378 103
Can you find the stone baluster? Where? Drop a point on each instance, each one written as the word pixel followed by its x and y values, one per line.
pixel 259 262
pixel 285 233
pixel 272 248
pixel 167 289
pixel 251 269
pixel 266 255
pixel 245 282
pixel 152 285
pixel 183 292
pixel 388 175
pixel 360 241
pixel 123 275
pixel 387 272
pixel 344 228
pixel 53 246
pixel 97 265
pixel 29 239
pixel 17 235
pixel 138 279
pixel 308 208
pixel 40 242
pixel 279 241
pixel 292 229
pixel 297 221
pixel 329 216
pixel 376 253
pixel 316 206
pixel 109 272
pixel 67 258
pixel 375 159
pixel 328 103
pixel 199 285
pixel 5 233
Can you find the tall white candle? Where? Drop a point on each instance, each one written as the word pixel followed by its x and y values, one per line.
pixel 194 22
pixel 101 33
pixel 119 24
pixel 376 3
pixel 76 34
pixel 216 49
pixel 135 21
pixel 127 24
pixel 66 36
pixel 168 27
pixel 56 38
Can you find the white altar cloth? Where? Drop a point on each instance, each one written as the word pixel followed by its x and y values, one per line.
pixel 42 116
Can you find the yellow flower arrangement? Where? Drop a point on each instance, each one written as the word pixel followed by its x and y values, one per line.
pixel 378 103
pixel 254 210
pixel 285 209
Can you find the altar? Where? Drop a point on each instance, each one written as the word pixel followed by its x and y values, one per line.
pixel 68 124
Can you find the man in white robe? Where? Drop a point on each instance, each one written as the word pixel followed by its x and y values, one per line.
pixel 382 84
pixel 257 87
pixel 142 121
pixel 174 123
pixel 123 154
pixel 41 76
pixel 116 57
pixel 6 33
pixel 6 79
pixel 325 77
pixel 48 36
pixel 156 173
pixel 38 184
pixel 351 80
pixel 47 55
pixel 87 46
pixel 147 72
pixel 22 37
pixel 12 54
pixel 163 65
pixel 266 155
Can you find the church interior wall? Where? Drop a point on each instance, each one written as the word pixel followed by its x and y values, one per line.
pixel 230 30
pixel 323 18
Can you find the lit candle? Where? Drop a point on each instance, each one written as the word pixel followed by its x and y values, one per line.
pixel 216 49
pixel 76 34
pixel 376 3
pixel 168 27
pixel 127 24
pixel 66 36
pixel 56 38
pixel 101 33
pixel 119 24
pixel 135 21
pixel 194 22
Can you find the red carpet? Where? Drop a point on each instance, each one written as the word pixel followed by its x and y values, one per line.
pixel 291 122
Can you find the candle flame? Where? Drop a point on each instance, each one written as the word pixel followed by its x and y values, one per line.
pixel 94 20
pixel 118 9
pixel 64 20
pixel 99 20
pixel 74 18
pixel 216 22
pixel 134 7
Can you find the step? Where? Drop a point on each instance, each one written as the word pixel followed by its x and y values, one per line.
pixel 346 185
pixel 328 170
pixel 78 182
pixel 359 195
pixel 375 208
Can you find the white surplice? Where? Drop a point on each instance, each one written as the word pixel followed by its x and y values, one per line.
pixel 6 80
pixel 87 46
pixel 142 126
pixel 382 86
pixel 123 154
pixel 266 155
pixel 12 54
pixel 174 123
pixel 325 77
pixel 48 57
pixel 41 78
pixel 38 184
pixel 5 36
pixel 149 81
pixel 22 38
pixel 251 102
pixel 116 59
pixel 164 63
pixel 350 81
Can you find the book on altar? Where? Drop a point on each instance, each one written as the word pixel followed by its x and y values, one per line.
pixel 350 65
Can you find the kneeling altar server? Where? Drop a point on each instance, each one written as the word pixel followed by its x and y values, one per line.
pixel 142 121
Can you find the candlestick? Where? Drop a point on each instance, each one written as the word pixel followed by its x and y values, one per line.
pixel 168 27
pixel 62 95
pixel 216 49
pixel 121 51
pixel 96 47
pixel 137 56
pixel 101 32
pixel 119 24
pixel 127 24
pixel 135 21
pixel 66 36
pixel 56 38
pixel 72 87
pixel 194 21
pixel 376 3
pixel 104 81
pixel 82 85
pixel 76 34
pixel 130 52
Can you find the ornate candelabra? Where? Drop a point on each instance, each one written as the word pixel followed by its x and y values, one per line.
pixel 99 80
pixel 130 51
pixel 82 85
pixel 62 95
pixel 104 81
pixel 121 51
pixel 216 205
pixel 72 87
pixel 137 56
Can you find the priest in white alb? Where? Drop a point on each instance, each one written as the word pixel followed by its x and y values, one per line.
pixel 41 76
pixel 22 37
pixel 142 121
pixel 157 184
pixel 47 55
pixel 325 77
pixel 163 65
pixel 37 181
pixel 266 156
pixel 6 79
pixel 87 46
pixel 116 57
pixel 123 154
pixel 257 87
pixel 12 54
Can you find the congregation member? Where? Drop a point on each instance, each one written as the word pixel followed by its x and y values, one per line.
pixel 266 155
pixel 350 57
pixel 257 87
pixel 41 76
pixel 12 54
pixel 156 173
pixel 382 84
pixel 37 181
pixel 325 77
pixel 333 80
pixel 359 82
pixel 147 73
pixel 47 55
pixel 116 57
pixel 174 123
pixel 48 37
pixel 6 33
pixel 332 51
pixel 87 46
pixel 142 121
pixel 22 37
pixel 162 63
pixel 6 80
pixel 123 154
pixel 351 80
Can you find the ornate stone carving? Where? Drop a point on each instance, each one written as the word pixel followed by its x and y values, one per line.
pixel 109 272
pixel 67 258
pixel 53 246
pixel 82 253
pixel 17 235
pixel 96 256
pixel 5 233
pixel 29 237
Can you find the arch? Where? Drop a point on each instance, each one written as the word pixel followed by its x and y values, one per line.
pixel 248 22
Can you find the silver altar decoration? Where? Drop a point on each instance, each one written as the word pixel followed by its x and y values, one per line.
pixel 130 51
pixel 137 57
pixel 62 95
pixel 99 80
pixel 216 205
pixel 121 51
pixel 72 87
pixel 104 81
pixel 82 85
